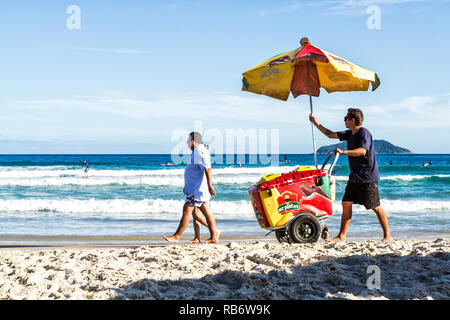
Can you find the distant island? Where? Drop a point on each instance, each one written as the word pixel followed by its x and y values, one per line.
pixel 381 147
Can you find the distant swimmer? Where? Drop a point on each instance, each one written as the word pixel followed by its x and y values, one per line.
pixel 85 166
pixel 424 164
pixel 285 158
pixel 170 164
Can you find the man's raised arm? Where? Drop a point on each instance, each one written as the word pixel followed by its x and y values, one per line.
pixel 330 134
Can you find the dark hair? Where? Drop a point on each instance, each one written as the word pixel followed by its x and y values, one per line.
pixel 196 137
pixel 357 115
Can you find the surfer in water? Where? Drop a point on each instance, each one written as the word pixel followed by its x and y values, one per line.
pixel 85 166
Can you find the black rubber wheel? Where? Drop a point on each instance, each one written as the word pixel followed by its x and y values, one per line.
pixel 282 236
pixel 305 229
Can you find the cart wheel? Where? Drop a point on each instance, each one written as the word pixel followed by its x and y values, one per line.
pixel 305 229
pixel 282 236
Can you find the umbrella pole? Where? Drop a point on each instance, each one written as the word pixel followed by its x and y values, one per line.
pixel 313 135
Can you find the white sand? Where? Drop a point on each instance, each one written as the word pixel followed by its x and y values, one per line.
pixel 409 269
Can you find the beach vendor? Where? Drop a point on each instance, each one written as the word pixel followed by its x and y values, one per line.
pixel 362 185
pixel 198 190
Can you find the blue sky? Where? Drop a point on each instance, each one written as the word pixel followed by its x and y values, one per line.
pixel 138 71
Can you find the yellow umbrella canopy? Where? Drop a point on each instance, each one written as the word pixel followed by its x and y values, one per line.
pixel 304 71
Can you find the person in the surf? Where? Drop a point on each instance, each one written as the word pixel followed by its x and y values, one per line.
pixel 85 166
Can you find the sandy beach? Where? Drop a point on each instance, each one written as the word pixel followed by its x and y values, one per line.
pixel 408 269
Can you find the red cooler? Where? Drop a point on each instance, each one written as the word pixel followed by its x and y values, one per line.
pixel 293 204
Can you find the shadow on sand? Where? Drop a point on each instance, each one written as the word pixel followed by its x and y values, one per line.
pixel 401 277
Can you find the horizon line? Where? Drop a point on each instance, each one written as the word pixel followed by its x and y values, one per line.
pixel 169 154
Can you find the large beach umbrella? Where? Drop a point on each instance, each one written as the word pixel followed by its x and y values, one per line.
pixel 304 71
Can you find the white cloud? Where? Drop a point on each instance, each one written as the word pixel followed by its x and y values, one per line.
pixel 358 7
pixel 292 7
pixel 427 110
pixel 105 50
pixel 335 7
pixel 411 122
pixel 119 51
pixel 422 111
pixel 212 106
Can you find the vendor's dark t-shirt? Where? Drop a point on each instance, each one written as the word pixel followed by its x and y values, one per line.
pixel 362 169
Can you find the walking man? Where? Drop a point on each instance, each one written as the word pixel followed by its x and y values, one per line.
pixel 198 189
pixel 362 186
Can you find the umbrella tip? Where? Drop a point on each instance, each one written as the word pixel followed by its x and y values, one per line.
pixel 304 41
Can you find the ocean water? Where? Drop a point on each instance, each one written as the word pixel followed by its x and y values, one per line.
pixel 46 198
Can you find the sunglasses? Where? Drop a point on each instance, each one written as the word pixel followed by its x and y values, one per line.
pixel 347 118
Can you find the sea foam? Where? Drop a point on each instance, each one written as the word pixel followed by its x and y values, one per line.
pixel 163 177
pixel 171 209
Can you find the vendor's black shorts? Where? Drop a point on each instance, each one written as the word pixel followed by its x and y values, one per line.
pixel 363 193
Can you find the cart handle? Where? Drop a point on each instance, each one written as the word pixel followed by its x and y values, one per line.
pixel 332 164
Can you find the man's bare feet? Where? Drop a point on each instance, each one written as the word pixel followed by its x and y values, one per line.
pixel 387 238
pixel 211 240
pixel 194 241
pixel 336 239
pixel 171 238
pixel 214 239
